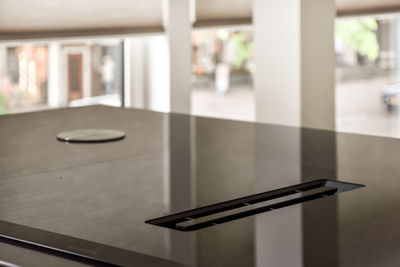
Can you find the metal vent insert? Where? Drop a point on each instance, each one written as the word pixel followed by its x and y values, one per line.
pixel 234 209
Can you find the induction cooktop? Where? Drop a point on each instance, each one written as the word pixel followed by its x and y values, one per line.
pixel 182 190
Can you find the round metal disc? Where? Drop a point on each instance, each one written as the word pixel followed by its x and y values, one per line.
pixel 91 135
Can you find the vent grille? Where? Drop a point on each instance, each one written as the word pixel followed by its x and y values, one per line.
pixel 234 209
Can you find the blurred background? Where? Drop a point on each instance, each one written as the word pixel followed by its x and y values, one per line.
pixel 44 74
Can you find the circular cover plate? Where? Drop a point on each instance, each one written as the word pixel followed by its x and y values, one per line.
pixel 91 135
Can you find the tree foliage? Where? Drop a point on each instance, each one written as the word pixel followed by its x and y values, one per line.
pixel 244 47
pixel 360 35
pixel 3 104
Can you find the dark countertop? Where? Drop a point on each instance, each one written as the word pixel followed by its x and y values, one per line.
pixel 96 197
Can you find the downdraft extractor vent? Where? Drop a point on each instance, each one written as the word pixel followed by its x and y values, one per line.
pixel 234 209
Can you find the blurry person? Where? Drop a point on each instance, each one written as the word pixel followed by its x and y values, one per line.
pixel 107 70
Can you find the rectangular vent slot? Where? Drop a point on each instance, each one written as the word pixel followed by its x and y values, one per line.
pixel 226 211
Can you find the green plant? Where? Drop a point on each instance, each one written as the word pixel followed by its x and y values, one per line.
pixel 3 104
pixel 360 35
pixel 244 49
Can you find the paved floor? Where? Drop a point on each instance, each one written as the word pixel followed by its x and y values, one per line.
pixel 236 104
pixel 359 107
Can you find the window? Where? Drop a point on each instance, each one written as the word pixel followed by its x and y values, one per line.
pixel 62 73
pixel 23 77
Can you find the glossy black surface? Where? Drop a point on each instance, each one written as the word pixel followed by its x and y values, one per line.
pixel 104 192
pixel 82 250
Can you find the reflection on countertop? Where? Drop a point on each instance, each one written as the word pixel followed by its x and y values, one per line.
pixel 170 162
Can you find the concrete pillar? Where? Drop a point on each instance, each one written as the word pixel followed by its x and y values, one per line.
pixel 177 20
pixel 295 60
pixel 54 97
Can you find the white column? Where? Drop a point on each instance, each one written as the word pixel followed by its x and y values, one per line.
pixel 3 60
pixel 127 61
pixel 397 45
pixel 135 70
pixel 53 85
pixel 157 85
pixel 294 85
pixel 177 19
pixel 294 57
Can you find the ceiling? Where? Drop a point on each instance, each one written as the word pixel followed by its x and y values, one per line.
pixel 355 7
pixel 73 17
pixel 27 15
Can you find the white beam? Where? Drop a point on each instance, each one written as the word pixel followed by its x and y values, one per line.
pixel 294 57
